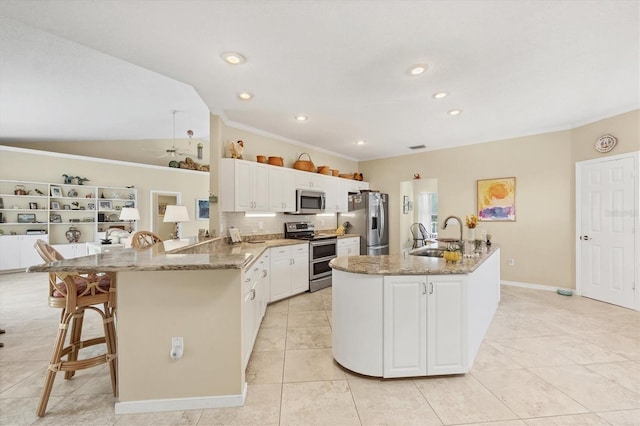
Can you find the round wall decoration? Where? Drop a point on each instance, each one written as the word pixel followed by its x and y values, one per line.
pixel 605 143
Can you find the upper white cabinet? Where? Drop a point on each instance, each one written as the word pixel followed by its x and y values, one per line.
pixel 337 196
pixel 282 189
pixel 309 180
pixel 244 186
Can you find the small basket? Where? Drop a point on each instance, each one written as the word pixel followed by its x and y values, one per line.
pixel 304 165
pixel 324 170
pixel 335 172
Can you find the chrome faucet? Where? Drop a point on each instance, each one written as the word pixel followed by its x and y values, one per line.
pixel 459 223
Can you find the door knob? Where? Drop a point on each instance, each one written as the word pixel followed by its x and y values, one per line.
pixel 585 237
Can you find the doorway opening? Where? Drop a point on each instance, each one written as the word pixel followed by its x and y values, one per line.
pixel 159 202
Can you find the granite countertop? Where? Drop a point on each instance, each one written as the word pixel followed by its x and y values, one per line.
pixel 409 265
pixel 205 255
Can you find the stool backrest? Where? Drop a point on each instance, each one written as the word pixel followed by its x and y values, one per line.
pixel 46 252
pixel 144 239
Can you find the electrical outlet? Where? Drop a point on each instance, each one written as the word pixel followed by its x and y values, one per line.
pixel 177 341
pixel 261 225
pixel 511 262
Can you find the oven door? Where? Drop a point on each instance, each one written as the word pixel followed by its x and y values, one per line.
pixel 320 268
pixel 320 249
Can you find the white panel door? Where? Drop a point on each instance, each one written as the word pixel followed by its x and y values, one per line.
pixel 405 326
pixel 607 231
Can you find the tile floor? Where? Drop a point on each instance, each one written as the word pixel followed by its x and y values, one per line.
pixel 546 360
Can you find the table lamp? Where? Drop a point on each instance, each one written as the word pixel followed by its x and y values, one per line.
pixel 130 214
pixel 176 214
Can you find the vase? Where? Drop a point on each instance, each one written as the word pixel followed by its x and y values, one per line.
pixel 73 234
pixel 471 234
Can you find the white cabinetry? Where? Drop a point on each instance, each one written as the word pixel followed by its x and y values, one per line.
pixel 405 326
pixel 309 180
pixel 282 190
pixel 69 251
pixel 425 325
pixel 255 302
pixel 348 246
pixel 336 194
pixel 245 186
pixel 18 252
pixel 289 271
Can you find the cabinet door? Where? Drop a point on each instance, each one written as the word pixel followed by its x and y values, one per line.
pixel 260 186
pixel 447 324
pixel 405 326
pixel 300 269
pixel 10 249
pixel 280 273
pixel 28 254
pixel 282 190
pixel 248 314
pixel 309 180
pixel 243 189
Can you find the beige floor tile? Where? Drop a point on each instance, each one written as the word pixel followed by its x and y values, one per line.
pixel 275 319
pixel 578 351
pixel 12 373
pixel 462 399
pixel 271 339
pixel 622 418
pixel 265 367
pixel 279 306
pixel 626 374
pixel 330 317
pixel 262 407
pixel 306 302
pixel 391 402
pixel 318 403
pixel 499 423
pixel 489 358
pixel 530 352
pixel 617 343
pixel 32 385
pixel 81 410
pixel 168 418
pixel 308 338
pixel 527 395
pixel 591 390
pixel 589 419
pixel 22 411
pixel 308 319
pixel 519 327
pixel 309 365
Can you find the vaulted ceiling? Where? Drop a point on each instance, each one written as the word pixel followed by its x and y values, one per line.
pixel 98 70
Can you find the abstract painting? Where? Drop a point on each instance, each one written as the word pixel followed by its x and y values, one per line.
pixel 497 199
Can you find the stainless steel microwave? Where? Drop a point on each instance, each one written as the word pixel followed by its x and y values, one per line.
pixel 310 202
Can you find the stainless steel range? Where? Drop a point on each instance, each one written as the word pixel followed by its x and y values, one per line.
pixel 322 248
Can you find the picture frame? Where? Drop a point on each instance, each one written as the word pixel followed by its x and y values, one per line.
pixel 202 209
pixel 55 218
pixel 56 191
pixel 66 207
pixel 129 204
pixel 162 207
pixel 496 199
pixel 105 205
pixel 26 218
pixel 91 206
pixel 55 205
pixel 405 204
pixel 1 203
pixel 33 206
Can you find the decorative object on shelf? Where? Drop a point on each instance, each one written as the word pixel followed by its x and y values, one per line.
pixel 115 195
pixel 497 199
pixel 304 165
pixel 276 161
pixel 358 176
pixel 261 159
pixel 130 214
pixel 55 205
pixel 162 208
pixel 202 209
pixel 76 205
pixel 132 196
pixel 113 218
pixel 26 218
pixel 176 214
pixel 56 191
pixel 324 170
pixel 55 218
pixel 236 149
pixel 38 191
pixel 189 164
pixel 335 172
pixel 87 219
pixel 74 220
pixel 91 206
pixel 105 205
pixel 407 205
pixel 1 203
pixel 73 234
pixel 72 193
pixel 66 207
pixel 81 180
pixel 416 175
pixel 20 190
pixel 489 240
pixel 33 206
pixel 174 164
pixel 605 143
pixel 199 148
pixel 68 179
pixel 129 204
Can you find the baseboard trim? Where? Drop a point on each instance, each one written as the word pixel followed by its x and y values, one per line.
pixel 177 404
pixel 534 286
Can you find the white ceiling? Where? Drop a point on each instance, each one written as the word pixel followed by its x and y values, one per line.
pixel 114 69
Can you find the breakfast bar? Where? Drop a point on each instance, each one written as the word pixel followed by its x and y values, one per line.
pixel 406 315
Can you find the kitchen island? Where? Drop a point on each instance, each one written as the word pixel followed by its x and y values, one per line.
pixel 404 316
pixel 196 292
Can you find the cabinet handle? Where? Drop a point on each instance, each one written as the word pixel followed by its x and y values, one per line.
pixel 424 288
pixel 253 293
pixel 246 280
pixel 430 288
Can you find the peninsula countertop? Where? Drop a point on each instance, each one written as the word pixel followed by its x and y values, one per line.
pixel 206 255
pixel 409 265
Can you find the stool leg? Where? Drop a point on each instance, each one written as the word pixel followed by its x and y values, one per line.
pixel 74 340
pixel 110 338
pixel 54 364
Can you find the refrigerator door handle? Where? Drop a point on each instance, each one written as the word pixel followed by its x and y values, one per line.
pixel 383 222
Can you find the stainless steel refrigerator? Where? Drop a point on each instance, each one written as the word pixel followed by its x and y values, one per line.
pixel 368 217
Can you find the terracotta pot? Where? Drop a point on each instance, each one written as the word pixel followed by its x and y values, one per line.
pixel 276 161
pixel 335 172
pixel 261 159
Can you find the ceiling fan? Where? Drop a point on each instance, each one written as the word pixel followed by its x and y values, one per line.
pixel 174 151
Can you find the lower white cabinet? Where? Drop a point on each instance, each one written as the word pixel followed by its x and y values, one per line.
pixel 348 246
pixel 256 292
pixel 425 325
pixel 289 271
pixel 18 251
pixel 69 251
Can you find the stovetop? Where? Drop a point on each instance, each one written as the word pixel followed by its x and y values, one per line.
pixel 304 231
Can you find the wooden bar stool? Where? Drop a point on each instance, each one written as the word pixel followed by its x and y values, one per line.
pixel 144 239
pixel 74 294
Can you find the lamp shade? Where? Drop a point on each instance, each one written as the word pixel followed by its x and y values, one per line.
pixel 129 213
pixel 176 214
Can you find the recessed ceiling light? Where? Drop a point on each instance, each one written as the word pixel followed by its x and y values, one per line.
pixel 301 117
pixel 440 95
pixel 245 96
pixel 233 58
pixel 360 142
pixel 417 69
pixel 455 112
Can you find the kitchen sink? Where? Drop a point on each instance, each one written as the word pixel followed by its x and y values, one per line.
pixel 428 252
